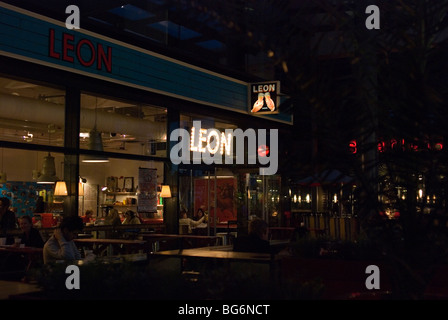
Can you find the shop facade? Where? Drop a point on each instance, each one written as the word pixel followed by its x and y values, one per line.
pixel 98 114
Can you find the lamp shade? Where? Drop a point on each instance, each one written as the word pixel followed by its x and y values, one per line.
pixel 48 170
pixel 95 144
pixel 60 188
pixel 166 192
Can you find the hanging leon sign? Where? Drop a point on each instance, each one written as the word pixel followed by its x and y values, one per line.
pixel 264 97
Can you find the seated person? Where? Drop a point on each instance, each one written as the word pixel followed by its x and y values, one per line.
pixel 7 219
pixel 60 246
pixel 88 217
pixel 200 214
pixel 131 218
pixel 188 222
pixel 257 239
pixel 31 236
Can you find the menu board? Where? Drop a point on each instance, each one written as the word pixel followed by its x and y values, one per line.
pixel 147 186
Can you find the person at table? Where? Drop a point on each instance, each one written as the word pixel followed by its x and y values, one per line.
pixel 40 205
pixel 31 236
pixel 201 228
pixel 60 246
pixel 256 240
pixel 88 217
pixel 188 222
pixel 8 221
pixel 131 218
pixel 112 219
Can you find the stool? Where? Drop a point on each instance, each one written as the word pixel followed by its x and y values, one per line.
pixel 223 237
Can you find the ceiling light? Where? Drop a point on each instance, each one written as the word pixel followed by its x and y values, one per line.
pixel 48 171
pixel 95 143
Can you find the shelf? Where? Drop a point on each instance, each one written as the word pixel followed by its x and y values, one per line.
pixel 122 193
pixel 118 205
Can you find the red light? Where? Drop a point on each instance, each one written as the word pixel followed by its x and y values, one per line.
pixel 263 150
pixel 353 147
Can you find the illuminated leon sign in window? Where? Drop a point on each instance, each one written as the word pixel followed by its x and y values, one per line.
pixel 264 97
pixel 234 146
pixel 207 136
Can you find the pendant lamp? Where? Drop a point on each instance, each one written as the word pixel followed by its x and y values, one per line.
pixel 48 171
pixel 95 143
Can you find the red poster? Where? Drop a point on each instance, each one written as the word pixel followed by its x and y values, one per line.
pixel 225 202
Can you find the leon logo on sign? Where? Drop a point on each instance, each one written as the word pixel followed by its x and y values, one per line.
pixel 264 97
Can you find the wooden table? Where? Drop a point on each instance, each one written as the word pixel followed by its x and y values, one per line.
pixel 33 255
pixel 111 246
pixel 12 288
pixel 132 257
pixel 156 241
pixel 218 254
pixel 202 259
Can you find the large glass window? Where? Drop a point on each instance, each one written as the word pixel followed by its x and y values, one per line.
pixel 124 127
pixel 31 113
pixel 117 184
pixel 227 192
pixel 21 184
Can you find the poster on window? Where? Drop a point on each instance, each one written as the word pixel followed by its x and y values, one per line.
pixel 147 187
pixel 225 190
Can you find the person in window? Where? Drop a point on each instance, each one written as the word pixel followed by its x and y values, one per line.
pixel 112 219
pixel 88 217
pixel 256 240
pixel 31 236
pixel 8 221
pixel 199 215
pixel 187 224
pixel 40 205
pixel 131 218
pixel 60 246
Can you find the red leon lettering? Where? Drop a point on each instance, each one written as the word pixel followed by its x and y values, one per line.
pixel 51 52
pixel 84 51
pixel 66 46
pixel 102 57
pixel 92 52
